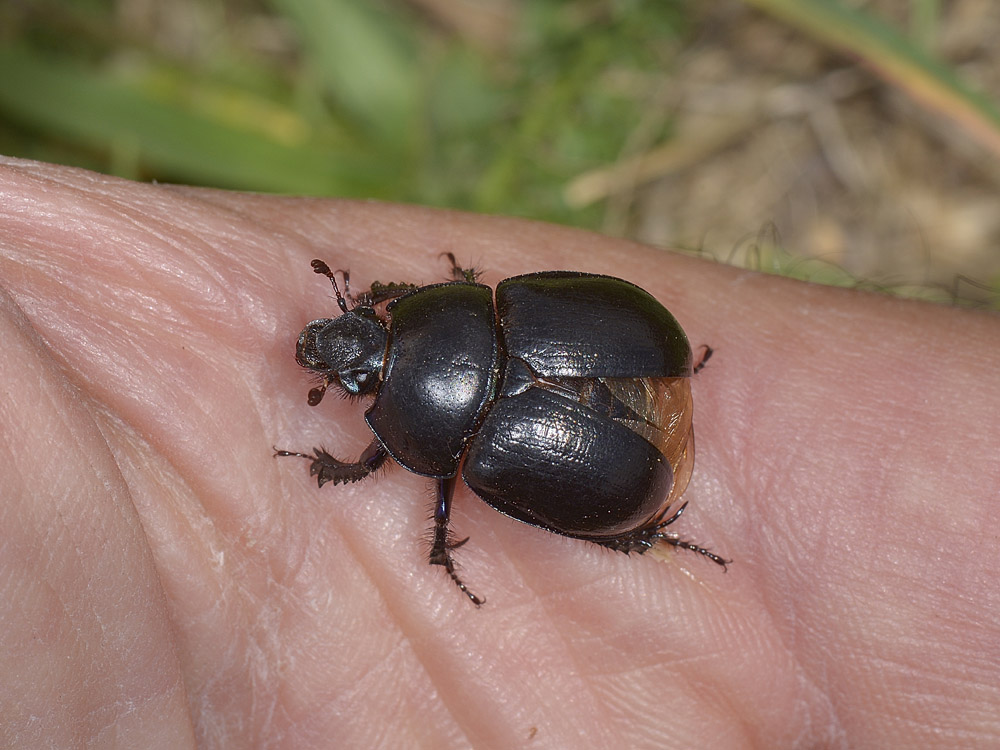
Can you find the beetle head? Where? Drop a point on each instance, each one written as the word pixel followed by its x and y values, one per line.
pixel 347 351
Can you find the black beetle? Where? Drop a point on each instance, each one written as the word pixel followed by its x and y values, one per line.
pixel 567 405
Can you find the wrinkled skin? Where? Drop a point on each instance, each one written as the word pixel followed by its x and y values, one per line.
pixel 165 583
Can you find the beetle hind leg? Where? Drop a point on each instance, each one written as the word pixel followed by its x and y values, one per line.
pixel 442 544
pixel 646 537
pixel 684 544
pixel 326 468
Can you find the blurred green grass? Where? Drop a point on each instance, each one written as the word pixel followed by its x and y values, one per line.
pixel 496 112
pixel 334 97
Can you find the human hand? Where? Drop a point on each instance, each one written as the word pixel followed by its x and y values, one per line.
pixel 164 582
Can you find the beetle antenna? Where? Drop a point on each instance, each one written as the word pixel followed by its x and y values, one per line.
pixel 322 268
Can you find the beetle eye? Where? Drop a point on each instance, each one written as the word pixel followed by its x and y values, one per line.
pixel 356 382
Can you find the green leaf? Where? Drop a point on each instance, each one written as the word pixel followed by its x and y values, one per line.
pixel 366 60
pixel 134 124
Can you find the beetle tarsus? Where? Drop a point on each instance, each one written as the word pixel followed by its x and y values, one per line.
pixel 645 538
pixel 326 468
pixel 676 542
pixel 449 566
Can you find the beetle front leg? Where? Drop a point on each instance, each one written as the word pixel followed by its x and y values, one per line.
pixel 326 468
pixel 442 545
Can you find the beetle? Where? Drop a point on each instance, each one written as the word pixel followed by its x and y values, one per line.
pixel 565 403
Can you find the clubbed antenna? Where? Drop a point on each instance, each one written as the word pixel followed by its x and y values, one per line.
pixel 322 268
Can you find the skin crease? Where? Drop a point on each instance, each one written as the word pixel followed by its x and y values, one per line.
pixel 164 582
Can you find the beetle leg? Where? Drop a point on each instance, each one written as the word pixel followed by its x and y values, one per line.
pixel 644 539
pixel 461 274
pixel 380 292
pixel 442 545
pixel 326 468
pixel 684 544
pixel 706 354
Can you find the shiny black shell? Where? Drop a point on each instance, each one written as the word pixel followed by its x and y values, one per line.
pixel 565 402
pixel 500 388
